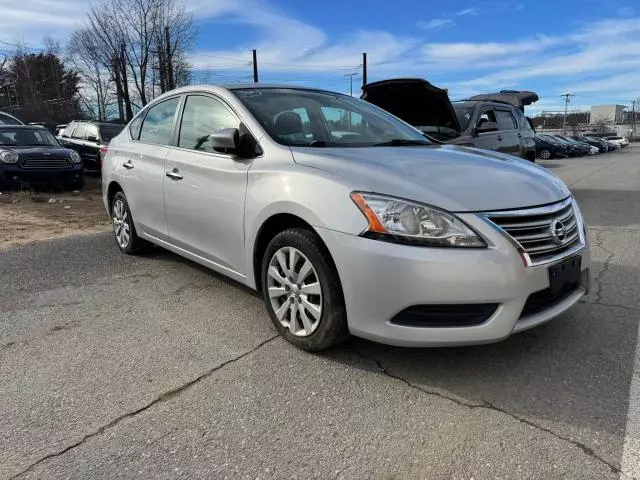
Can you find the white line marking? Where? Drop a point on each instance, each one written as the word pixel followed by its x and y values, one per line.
pixel 630 464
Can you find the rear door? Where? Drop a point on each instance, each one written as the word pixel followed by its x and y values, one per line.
pixel 141 166
pixel 508 130
pixel 204 189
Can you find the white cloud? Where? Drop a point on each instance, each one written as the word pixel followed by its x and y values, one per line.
pixel 467 11
pixel 434 24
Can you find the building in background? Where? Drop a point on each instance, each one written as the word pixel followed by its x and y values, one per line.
pixel 607 114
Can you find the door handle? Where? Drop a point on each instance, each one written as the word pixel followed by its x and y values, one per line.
pixel 128 164
pixel 500 137
pixel 174 174
pixel 519 135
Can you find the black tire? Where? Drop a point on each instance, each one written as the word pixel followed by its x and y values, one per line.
pixel 78 184
pixel 135 244
pixel 545 154
pixel 332 325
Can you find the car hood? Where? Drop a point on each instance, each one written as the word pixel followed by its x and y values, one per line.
pixel 39 152
pixel 458 179
pixel 414 100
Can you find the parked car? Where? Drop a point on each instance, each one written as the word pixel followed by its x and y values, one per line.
pixel 478 122
pixel 616 140
pixel 600 144
pixel 90 140
pixel 60 129
pixel 380 233
pixel 578 149
pixel 31 155
pixel 547 148
pixel 7 119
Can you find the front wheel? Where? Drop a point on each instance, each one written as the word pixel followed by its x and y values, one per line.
pixel 545 154
pixel 302 291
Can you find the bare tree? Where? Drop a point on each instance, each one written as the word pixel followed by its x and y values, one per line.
pixel 141 45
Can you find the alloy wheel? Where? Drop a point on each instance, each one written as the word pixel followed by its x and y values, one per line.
pixel 121 226
pixel 545 154
pixel 294 291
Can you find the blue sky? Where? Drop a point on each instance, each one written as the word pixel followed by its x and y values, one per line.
pixel 587 47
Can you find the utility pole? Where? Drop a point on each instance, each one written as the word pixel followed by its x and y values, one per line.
pixel 255 66
pixel 633 119
pixel 567 99
pixel 351 75
pixel 364 69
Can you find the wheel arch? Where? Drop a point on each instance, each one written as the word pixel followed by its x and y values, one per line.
pixel 269 228
pixel 114 187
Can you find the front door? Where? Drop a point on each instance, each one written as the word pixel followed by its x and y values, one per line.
pixel 204 189
pixel 488 140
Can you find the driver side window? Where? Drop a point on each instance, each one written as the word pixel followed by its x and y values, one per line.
pixel 203 116
pixel 487 116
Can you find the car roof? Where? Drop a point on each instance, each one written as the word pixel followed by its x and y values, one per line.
pixel 23 127
pixel 473 103
pixel 243 86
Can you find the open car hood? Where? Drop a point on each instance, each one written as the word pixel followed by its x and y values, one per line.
pixel 415 101
pixel 517 98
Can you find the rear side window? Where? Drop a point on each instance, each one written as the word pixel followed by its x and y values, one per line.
pixel 107 132
pixel 505 120
pixel 157 126
pixel 78 132
pixel 69 129
pixel 203 116
pixel 7 120
pixel 92 131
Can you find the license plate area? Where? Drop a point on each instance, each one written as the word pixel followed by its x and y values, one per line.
pixel 565 276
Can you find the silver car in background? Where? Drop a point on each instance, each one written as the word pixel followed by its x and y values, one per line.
pixel 347 219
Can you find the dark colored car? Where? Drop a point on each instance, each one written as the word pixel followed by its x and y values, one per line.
pixel 90 140
pixel 581 147
pixel 547 147
pixel 492 121
pixel 7 119
pixel 31 155
pixel 600 144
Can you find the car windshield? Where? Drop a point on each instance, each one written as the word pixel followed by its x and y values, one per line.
pixel 464 115
pixel 297 117
pixel 107 132
pixel 22 137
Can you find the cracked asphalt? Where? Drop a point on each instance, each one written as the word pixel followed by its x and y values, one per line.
pixel 153 367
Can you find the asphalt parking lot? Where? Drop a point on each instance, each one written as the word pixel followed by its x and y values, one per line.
pixel 153 367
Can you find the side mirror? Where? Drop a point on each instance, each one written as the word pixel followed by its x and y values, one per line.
pixel 225 139
pixel 487 127
pixel 92 138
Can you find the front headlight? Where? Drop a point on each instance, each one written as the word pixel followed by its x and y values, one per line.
pixel 401 221
pixel 8 156
pixel 75 157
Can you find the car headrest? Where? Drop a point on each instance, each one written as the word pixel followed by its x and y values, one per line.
pixel 288 123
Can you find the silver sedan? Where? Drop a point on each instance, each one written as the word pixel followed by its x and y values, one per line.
pixel 347 219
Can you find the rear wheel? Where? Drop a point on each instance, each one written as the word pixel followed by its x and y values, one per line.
pixel 302 291
pixel 545 154
pixel 123 227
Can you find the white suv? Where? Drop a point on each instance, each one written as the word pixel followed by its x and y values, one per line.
pixel 346 218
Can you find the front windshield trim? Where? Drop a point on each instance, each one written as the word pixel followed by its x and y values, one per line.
pixel 320 118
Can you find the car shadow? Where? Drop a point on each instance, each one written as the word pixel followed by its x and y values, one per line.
pixel 572 374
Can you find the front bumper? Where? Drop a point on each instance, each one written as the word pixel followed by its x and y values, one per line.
pixel 14 174
pixel 380 280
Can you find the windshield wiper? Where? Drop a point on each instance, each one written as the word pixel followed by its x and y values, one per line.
pixel 323 143
pixel 400 142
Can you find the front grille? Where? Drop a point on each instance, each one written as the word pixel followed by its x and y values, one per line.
pixel 532 229
pixel 46 163
pixel 457 315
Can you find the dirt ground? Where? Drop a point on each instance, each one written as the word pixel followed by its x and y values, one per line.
pixel 28 216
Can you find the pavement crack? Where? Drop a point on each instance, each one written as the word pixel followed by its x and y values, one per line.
pixel 612 305
pixel 484 404
pixel 160 399
pixel 605 268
